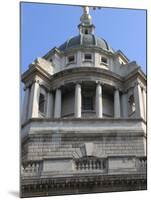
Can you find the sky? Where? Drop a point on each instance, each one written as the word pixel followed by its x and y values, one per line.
pixel 44 26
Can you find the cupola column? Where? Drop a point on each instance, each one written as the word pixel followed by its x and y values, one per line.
pixel 144 101
pixel 77 105
pixel 50 104
pixel 57 111
pixel 117 110
pixel 25 105
pixel 138 101
pixel 34 100
pixel 99 105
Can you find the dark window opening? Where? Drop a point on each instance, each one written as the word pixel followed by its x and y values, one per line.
pixel 86 31
pixel 104 60
pixel 50 60
pixel 41 103
pixel 87 103
pixel 71 59
pixel 88 57
pixel 132 104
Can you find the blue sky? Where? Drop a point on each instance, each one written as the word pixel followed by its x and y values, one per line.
pixel 44 26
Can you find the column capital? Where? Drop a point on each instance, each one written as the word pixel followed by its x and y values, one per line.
pixel 36 81
pixel 50 90
pixel 78 82
pixel 29 84
pixel 116 88
pixel 59 87
pixel 99 82
pixel 124 91
pixel 26 87
pixel 136 83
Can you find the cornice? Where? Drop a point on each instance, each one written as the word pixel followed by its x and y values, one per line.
pixel 87 70
pixel 119 52
pixel 136 72
pixel 89 48
pixel 34 70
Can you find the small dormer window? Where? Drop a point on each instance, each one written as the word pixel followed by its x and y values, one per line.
pixel 104 60
pixel 71 59
pixel 88 57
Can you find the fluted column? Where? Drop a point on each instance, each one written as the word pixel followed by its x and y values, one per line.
pixel 99 106
pixel 34 100
pixel 49 104
pixel 57 111
pixel 77 105
pixel 138 101
pixel 25 105
pixel 117 107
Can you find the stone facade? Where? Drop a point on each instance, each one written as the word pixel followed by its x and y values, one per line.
pixel 84 119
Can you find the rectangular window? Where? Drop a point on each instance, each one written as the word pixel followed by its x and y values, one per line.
pixel 104 60
pixel 87 103
pixel 41 103
pixel 71 59
pixel 88 57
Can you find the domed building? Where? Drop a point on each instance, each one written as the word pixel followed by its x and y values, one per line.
pixel 83 120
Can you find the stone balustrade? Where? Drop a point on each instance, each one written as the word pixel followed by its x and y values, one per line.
pixel 31 168
pixel 91 164
pixel 141 164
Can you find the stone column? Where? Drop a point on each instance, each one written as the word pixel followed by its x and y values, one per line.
pixel 138 101
pixel 117 107
pixel 77 105
pixel 49 105
pixel 124 102
pixel 144 101
pixel 57 111
pixel 25 105
pixel 34 100
pixel 99 105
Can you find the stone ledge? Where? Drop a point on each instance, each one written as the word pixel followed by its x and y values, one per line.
pixel 83 120
pixel 82 184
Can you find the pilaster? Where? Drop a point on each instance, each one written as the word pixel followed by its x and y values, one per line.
pixel 117 107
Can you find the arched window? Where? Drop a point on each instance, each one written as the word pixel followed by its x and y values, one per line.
pixel 41 103
pixel 131 104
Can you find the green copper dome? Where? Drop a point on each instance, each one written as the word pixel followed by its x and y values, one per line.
pixel 86 40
